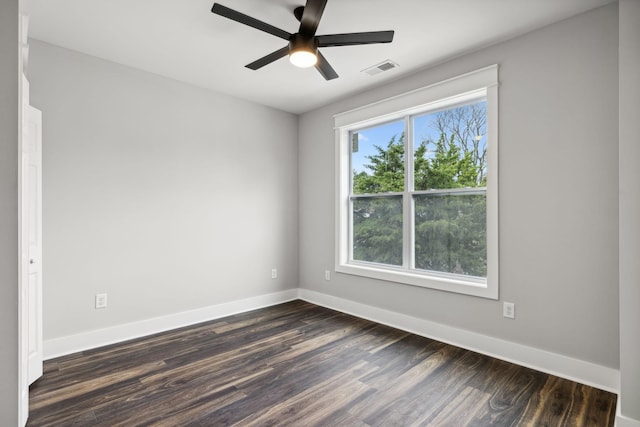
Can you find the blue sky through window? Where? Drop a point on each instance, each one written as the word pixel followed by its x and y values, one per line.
pixel 380 135
pixel 369 138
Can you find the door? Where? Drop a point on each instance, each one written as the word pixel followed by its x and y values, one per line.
pixel 32 240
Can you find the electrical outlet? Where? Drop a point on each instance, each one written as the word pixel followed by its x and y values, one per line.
pixel 327 275
pixel 509 310
pixel 101 300
pixel 274 273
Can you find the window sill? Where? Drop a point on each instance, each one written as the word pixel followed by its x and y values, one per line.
pixel 451 284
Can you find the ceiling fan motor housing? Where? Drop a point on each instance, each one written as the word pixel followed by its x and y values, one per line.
pixel 301 42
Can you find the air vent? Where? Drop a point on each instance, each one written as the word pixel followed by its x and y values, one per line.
pixel 379 68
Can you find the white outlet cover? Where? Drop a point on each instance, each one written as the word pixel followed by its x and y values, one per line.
pixel 101 300
pixel 509 310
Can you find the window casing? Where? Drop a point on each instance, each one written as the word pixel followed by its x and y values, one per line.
pixel 399 253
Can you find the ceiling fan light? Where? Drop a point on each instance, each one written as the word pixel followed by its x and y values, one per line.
pixel 303 58
pixel 303 50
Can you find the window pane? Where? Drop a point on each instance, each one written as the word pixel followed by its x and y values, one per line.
pixel 377 159
pixel 450 148
pixel 377 230
pixel 450 233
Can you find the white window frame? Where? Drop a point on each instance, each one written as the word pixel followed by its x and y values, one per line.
pixel 479 84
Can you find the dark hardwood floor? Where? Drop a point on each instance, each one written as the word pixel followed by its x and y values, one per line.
pixel 298 364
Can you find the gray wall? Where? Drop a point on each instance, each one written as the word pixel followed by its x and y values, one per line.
pixel 629 210
pixel 9 69
pixel 558 183
pixel 165 196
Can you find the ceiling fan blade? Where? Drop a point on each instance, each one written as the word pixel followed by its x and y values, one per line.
pixel 352 39
pixel 234 15
pixel 311 16
pixel 266 60
pixel 325 68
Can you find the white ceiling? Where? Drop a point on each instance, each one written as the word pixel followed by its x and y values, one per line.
pixel 183 40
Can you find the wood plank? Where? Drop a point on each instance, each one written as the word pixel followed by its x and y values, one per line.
pixel 315 403
pixel 462 409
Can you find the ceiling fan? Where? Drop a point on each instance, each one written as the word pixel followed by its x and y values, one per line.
pixel 303 45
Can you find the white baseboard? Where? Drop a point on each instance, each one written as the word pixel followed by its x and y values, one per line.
pixel 566 367
pixel 97 338
pixel 598 376
pixel 622 421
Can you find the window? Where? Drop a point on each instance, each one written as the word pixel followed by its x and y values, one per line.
pixel 429 218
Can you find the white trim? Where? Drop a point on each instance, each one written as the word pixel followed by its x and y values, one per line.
pixel 581 371
pixel 100 337
pixel 418 98
pixel 432 281
pixel 482 83
pixel 493 172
